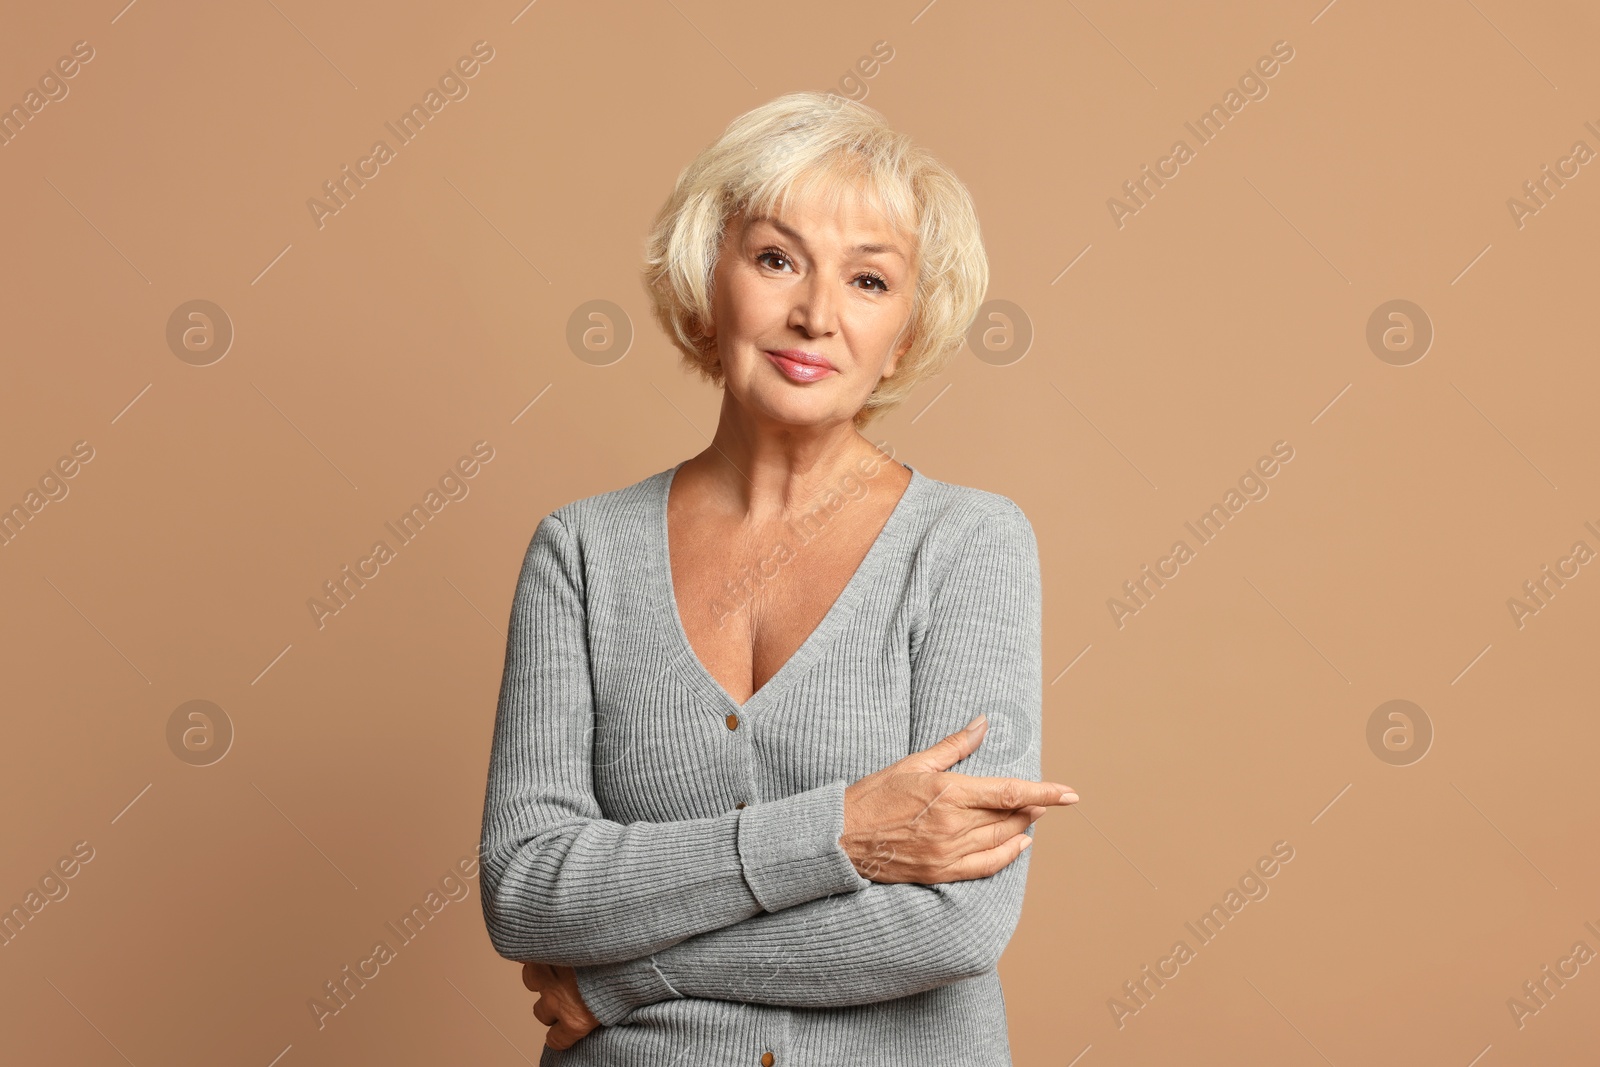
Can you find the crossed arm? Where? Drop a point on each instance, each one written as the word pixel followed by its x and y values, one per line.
pixel 760 905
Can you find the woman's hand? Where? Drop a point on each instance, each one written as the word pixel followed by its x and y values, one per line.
pixel 914 821
pixel 560 1006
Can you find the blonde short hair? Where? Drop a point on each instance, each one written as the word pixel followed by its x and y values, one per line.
pixel 792 143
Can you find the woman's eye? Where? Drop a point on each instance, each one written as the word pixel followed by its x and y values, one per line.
pixel 778 261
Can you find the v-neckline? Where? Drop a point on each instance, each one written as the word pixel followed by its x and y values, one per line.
pixel 695 669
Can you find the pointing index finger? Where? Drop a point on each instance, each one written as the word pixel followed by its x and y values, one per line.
pixel 1013 793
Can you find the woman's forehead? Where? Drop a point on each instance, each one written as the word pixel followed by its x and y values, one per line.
pixel 838 207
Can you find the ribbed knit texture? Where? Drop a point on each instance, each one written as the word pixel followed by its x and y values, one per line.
pixel 706 934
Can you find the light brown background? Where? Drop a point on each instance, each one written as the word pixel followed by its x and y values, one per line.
pixel 1228 314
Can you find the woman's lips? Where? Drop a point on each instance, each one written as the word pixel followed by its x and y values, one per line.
pixel 795 370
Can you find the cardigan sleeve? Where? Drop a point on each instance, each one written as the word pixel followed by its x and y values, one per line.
pixel 980 653
pixel 562 884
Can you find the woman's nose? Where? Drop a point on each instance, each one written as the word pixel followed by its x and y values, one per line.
pixel 815 306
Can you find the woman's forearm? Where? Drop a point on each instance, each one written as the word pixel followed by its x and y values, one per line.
pixel 886 941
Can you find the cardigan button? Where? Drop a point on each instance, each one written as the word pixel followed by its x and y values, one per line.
pixel 733 722
pixel 767 1059
pixel 740 804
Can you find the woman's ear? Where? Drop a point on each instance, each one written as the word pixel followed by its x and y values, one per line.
pixel 894 357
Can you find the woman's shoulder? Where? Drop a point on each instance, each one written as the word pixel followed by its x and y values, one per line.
pixel 623 512
pixel 976 538
pixel 964 508
pixel 959 524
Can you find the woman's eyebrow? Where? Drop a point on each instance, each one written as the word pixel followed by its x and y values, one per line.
pixel 870 249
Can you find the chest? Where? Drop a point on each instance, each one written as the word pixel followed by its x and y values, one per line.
pixel 669 742
pixel 689 731
pixel 749 598
pixel 734 665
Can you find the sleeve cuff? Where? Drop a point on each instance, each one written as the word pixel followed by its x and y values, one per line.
pixel 790 849
pixel 611 991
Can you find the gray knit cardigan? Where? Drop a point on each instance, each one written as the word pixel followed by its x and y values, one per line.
pixel 681 851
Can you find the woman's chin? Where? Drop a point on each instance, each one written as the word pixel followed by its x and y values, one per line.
pixel 808 409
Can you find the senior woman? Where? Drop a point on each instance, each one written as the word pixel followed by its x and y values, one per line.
pixel 721 823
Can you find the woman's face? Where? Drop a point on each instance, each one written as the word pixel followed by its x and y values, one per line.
pixel 830 281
